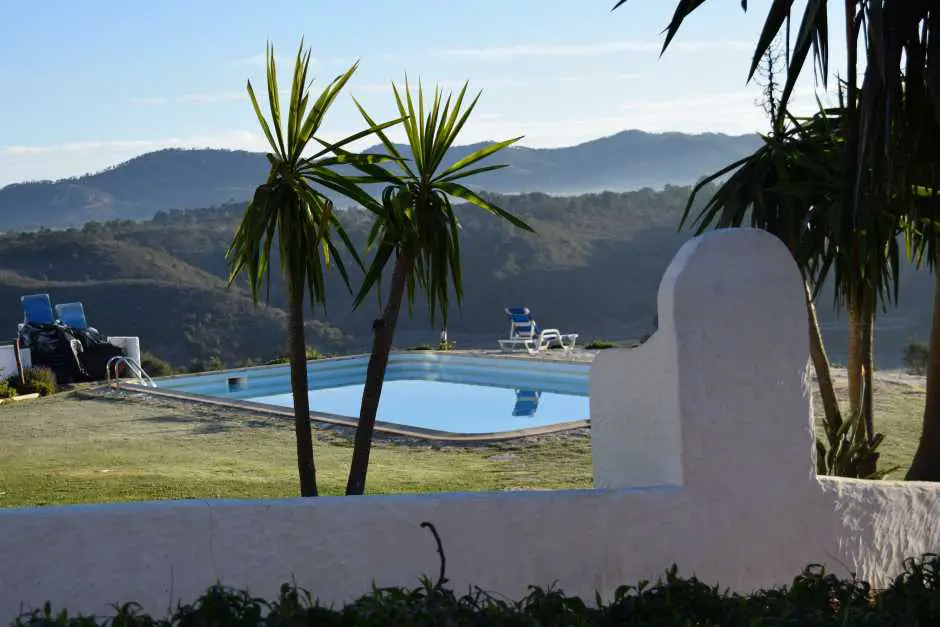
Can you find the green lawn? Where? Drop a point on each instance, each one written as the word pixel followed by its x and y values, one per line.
pixel 899 409
pixel 67 449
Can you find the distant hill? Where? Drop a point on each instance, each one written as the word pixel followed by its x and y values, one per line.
pixel 593 267
pixel 176 179
pixel 183 312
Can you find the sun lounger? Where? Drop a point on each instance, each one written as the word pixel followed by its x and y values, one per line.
pixel 37 308
pixel 522 328
pixel 72 315
pixel 549 338
pixel 525 334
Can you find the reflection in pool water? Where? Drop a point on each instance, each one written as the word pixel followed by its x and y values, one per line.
pixel 527 403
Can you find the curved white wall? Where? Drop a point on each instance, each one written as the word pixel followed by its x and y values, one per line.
pixel 714 410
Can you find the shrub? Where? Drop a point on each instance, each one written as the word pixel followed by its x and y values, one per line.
pixel 6 390
pixel 36 380
pixel 209 365
pixel 915 357
pixel 420 347
pixel 312 354
pixel 154 366
pixel 814 598
pixel 597 345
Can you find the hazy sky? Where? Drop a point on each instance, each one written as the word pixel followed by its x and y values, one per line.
pixel 90 83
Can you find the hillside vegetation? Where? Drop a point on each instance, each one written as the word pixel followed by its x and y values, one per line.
pixel 178 179
pixel 593 267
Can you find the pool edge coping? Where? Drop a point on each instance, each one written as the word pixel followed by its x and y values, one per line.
pixel 511 356
pixel 385 428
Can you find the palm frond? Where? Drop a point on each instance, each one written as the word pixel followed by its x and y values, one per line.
pixel 415 216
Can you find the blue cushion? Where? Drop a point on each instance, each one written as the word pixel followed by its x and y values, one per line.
pixel 72 315
pixel 37 308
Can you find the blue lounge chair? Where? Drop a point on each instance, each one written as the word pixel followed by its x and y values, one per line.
pixel 527 403
pixel 526 334
pixel 72 315
pixel 522 328
pixel 37 308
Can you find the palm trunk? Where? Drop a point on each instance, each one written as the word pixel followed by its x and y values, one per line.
pixel 926 464
pixel 868 364
pixel 297 349
pixel 853 362
pixel 821 366
pixel 868 466
pixel 382 338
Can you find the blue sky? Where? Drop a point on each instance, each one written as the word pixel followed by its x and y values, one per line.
pixel 90 83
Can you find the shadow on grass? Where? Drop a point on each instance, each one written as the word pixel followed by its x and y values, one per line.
pixel 210 424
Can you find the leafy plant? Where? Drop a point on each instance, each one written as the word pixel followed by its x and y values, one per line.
pixel 36 380
pixel 915 357
pixel 288 214
pixel 815 598
pixel 415 225
pixel 154 366
pixel 599 345
pixel 6 390
pixel 850 452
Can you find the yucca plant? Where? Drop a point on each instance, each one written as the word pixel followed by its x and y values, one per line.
pixel 891 119
pixel 288 213
pixel 417 230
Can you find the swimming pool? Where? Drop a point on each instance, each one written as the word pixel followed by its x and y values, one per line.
pixel 460 394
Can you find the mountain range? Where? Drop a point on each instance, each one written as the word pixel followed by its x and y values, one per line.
pixel 592 267
pixel 177 179
pixel 148 256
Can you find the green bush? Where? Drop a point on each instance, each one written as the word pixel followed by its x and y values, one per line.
pixel 6 390
pixel 915 357
pixel 312 354
pixel 814 599
pixel 38 379
pixel 154 366
pixel 597 345
pixel 420 347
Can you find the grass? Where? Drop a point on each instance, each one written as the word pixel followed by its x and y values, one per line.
pixel 899 408
pixel 70 449
pixel 66 449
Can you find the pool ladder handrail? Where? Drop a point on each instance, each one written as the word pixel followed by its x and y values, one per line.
pixel 136 369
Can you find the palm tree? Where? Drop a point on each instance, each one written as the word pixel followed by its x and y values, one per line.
pixel 882 127
pixel 791 187
pixel 924 245
pixel 415 224
pixel 289 215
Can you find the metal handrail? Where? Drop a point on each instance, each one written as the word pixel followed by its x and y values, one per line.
pixel 136 369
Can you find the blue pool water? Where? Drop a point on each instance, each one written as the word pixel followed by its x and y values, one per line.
pixel 444 392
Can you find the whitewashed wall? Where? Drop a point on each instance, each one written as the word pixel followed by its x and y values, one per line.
pixel 8 360
pixel 702 450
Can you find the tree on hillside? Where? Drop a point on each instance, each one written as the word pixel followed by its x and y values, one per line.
pixel 415 225
pixel 287 212
pixel 881 128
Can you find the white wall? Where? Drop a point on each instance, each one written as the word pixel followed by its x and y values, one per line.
pixel 714 410
pixel 8 360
